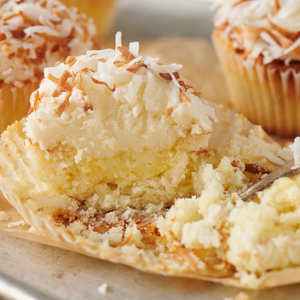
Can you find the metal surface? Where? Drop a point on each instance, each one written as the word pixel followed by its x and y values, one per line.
pixel 14 290
pixel 286 171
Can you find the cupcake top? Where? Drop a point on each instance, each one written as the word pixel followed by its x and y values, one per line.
pixel 35 34
pixel 112 101
pixel 267 28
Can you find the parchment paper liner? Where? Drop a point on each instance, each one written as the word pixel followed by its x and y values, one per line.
pixel 14 103
pixel 267 95
pixel 63 238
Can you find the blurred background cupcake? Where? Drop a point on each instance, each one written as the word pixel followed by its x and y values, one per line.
pixel 258 46
pixel 35 34
pixel 102 11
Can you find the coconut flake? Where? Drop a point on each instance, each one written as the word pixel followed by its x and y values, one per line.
pixel 102 289
pixel 15 224
pixel 3 216
pixel 295 147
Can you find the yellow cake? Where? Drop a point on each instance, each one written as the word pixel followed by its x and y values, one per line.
pixel 35 34
pixel 258 48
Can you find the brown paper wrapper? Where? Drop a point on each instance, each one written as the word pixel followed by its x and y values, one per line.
pixel 268 95
pixel 61 237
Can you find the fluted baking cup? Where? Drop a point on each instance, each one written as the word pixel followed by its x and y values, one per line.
pixel 268 95
pixel 14 103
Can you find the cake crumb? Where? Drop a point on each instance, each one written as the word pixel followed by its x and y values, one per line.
pixel 3 216
pixel 14 224
pixel 102 289
pixel 34 230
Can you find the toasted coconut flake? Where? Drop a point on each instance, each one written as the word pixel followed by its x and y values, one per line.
pixel 88 107
pixel 63 85
pixel 127 240
pixel 52 78
pixel 168 76
pixel 198 94
pixel 255 169
pixel 184 98
pixel 169 111
pixel 20 52
pixel 136 66
pixel 126 54
pixel 104 83
pixel 185 85
pixel 63 106
pixel 71 60
pixel 37 99
pixel 30 111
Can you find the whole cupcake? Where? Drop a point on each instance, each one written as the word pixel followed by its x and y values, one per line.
pixel 258 45
pixel 35 34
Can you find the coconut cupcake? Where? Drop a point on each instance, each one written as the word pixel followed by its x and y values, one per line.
pixel 35 34
pixel 257 43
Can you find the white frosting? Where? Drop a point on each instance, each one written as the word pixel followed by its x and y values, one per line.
pixel 267 27
pixel 129 111
pixel 25 26
pixel 295 147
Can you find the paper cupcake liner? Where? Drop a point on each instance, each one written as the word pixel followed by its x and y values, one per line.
pixel 14 103
pixel 265 94
pixel 103 12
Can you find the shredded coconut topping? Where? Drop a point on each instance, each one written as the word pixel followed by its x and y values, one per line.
pixel 270 28
pixel 114 101
pixel 34 34
pixel 295 147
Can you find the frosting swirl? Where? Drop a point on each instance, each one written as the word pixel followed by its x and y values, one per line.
pixel 112 101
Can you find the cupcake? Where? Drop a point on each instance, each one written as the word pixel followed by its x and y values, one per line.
pixel 120 158
pixel 257 43
pixel 133 127
pixel 35 34
pixel 103 12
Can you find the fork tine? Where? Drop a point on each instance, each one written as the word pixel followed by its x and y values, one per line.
pixel 286 171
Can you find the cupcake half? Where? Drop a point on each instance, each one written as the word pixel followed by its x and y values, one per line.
pixel 35 34
pixel 121 158
pixel 257 43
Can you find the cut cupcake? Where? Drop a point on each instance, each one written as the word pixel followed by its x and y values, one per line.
pixel 36 34
pixel 120 157
pixel 257 43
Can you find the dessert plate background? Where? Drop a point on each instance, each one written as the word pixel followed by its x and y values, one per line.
pixel 69 275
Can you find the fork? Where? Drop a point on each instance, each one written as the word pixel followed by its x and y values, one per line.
pixel 288 170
